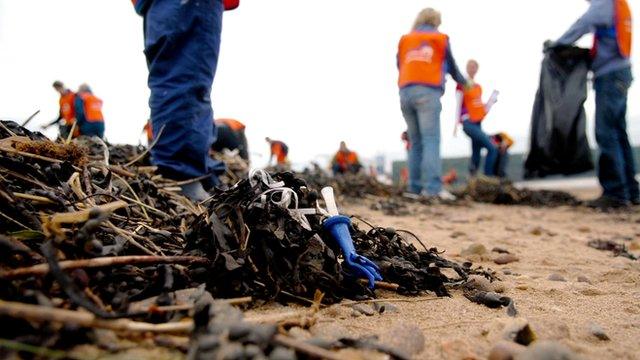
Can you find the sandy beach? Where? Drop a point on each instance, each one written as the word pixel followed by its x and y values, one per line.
pixel 591 287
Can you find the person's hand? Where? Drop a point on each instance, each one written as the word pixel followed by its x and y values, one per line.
pixel 548 45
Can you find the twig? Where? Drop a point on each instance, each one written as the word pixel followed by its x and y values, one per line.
pixel 131 239
pixel 24 124
pixel 83 215
pixel 7 129
pixel 85 319
pixel 24 178
pixel 14 221
pixel 70 136
pixel 312 350
pixel 155 141
pixel 120 171
pixel 143 206
pixel 34 198
pixel 185 307
pixel 371 301
pixel 36 350
pixel 137 200
pixel 381 285
pixel 26 154
pixel 43 269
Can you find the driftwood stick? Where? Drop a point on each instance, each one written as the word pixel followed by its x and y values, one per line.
pixel 41 199
pixel 381 285
pixel 83 215
pixel 34 156
pixel 312 350
pixel 85 319
pixel 43 269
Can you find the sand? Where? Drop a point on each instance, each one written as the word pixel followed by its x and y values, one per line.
pixel 547 241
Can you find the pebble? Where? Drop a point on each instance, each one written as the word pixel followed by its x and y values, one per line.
pixel 547 350
pixel 329 331
pixel 505 350
pixel 519 331
pixel 364 309
pixel 584 279
pixel 385 307
pixel 457 234
pixel 597 331
pixel 556 277
pixel 500 250
pixel 634 245
pixel 281 353
pixel 299 333
pixel 474 249
pixel 407 338
pixel 522 287
pixel 504 259
pixel 477 282
pixel 457 349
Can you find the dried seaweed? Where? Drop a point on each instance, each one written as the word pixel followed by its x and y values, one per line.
pixel 502 192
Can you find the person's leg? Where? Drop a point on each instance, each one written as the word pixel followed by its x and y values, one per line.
pixel 623 82
pixel 611 172
pixel 482 140
pixel 501 164
pixel 415 151
pixel 336 169
pixel 476 148
pixel 428 108
pixel 244 145
pixel 181 46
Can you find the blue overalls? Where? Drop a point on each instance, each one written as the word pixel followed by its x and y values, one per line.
pixel 182 42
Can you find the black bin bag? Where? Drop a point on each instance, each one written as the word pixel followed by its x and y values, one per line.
pixel 559 143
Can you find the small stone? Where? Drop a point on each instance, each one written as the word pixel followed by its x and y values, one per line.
pixel 584 279
pixel 282 353
pixel 299 333
pixel 634 245
pixel 457 234
pixel 457 349
pixel 329 331
pixel 556 277
pixel 355 313
pixel 500 250
pixel 522 287
pixel 474 249
pixel 537 231
pixel 477 282
pixel 597 331
pixel 584 229
pixel 498 286
pixel 519 331
pixel 505 350
pixel 405 337
pixel 385 307
pixel 547 350
pixel 503 259
pixel 364 309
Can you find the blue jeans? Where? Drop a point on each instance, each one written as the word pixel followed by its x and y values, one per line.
pixel 421 110
pixel 501 164
pixel 480 140
pixel 616 166
pixel 92 129
pixel 182 42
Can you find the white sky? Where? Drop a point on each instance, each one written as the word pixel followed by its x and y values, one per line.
pixel 308 72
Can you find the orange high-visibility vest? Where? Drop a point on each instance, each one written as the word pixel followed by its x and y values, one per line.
pixel 345 159
pixel 67 109
pixel 278 148
pixel 235 125
pixel 92 106
pixel 622 29
pixel 421 57
pixel 472 101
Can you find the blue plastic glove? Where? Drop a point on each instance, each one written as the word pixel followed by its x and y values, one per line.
pixel 358 265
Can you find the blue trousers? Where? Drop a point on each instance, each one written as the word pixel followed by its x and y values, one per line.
pixel 182 42
pixel 92 129
pixel 616 166
pixel 421 109
pixel 480 140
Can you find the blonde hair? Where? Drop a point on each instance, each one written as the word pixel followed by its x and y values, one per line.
pixel 428 16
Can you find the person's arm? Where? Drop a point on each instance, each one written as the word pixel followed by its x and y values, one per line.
pixel 57 120
pixel 600 13
pixel 452 67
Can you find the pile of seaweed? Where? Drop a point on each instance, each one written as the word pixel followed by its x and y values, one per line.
pixel 266 239
pixel 87 238
pixel 348 185
pixel 502 192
